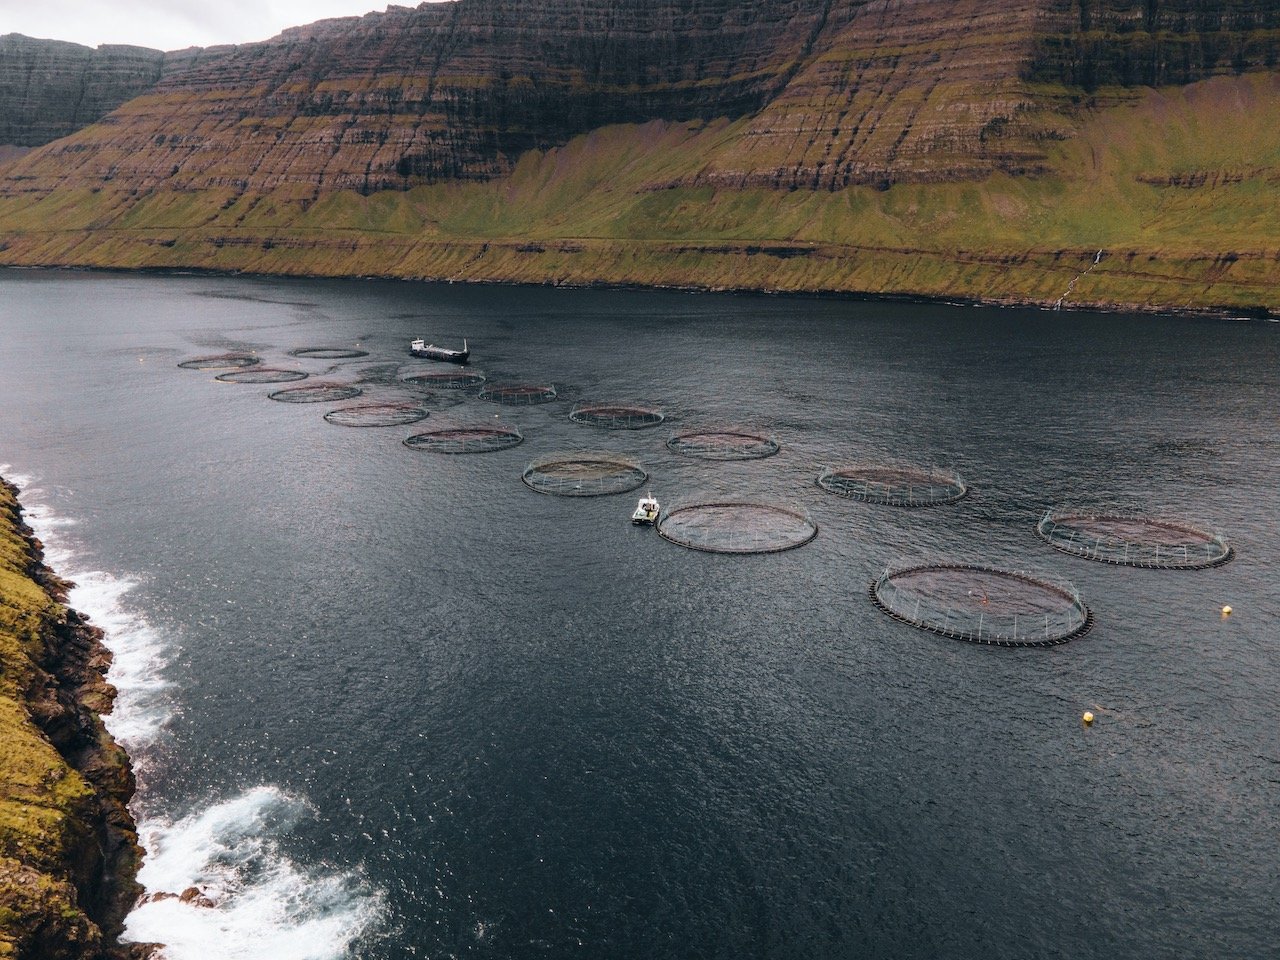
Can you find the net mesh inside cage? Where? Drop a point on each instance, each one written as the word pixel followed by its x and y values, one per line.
pixel 446 379
pixel 316 393
pixel 262 375
pixel 518 394
pixel 616 416
pixel 981 604
pixel 376 415
pixel 893 484
pixel 223 361
pixel 328 353
pixel 1134 540
pixel 724 445
pixel 737 527
pixel 486 439
pixel 583 474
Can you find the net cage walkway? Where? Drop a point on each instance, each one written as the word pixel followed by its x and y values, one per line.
pixel 316 393
pixel 261 375
pixel 736 526
pixel 376 415
pixel 616 416
pixel 983 604
pixel 1134 539
pixel 223 361
pixel 328 353
pixel 518 394
pixel 724 445
pixel 456 440
pixel 583 474
pixel 894 485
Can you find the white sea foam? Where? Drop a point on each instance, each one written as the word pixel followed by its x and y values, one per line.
pixel 265 904
pixel 143 705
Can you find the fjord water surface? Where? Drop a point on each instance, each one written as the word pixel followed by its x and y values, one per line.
pixel 387 704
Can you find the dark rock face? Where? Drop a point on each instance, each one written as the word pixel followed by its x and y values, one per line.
pixel 831 93
pixel 49 88
pixel 1093 43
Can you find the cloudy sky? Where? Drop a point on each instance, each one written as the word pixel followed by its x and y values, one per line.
pixel 170 24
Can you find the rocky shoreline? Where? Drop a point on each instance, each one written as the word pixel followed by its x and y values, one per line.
pixel 69 852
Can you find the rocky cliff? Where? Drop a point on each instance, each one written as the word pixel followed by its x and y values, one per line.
pixel 871 115
pixel 49 88
pixel 68 847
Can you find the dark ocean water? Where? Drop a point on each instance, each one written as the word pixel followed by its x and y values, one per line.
pixel 387 704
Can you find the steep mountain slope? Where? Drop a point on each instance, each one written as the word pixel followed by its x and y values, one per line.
pixel 948 147
pixel 49 88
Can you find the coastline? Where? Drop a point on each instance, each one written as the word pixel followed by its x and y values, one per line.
pixel 1201 311
pixel 69 851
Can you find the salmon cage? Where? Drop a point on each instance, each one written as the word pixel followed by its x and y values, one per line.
pixel 895 485
pixel 1134 539
pixel 724 445
pixel 982 604
pixel 737 526
pixel 455 440
pixel 222 361
pixel 583 474
pixel 262 375
pixel 446 379
pixel 317 393
pixel 616 416
pixel 518 394
pixel 328 353
pixel 376 415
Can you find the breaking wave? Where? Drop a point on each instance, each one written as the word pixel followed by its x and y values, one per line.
pixel 264 903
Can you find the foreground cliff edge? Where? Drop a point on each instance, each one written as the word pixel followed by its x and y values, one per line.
pixel 69 850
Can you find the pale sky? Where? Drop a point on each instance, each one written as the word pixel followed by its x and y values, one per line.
pixel 170 24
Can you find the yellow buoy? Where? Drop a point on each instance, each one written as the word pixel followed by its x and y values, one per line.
pixel 1088 717
pixel 1226 611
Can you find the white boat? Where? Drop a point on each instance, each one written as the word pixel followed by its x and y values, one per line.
pixel 646 510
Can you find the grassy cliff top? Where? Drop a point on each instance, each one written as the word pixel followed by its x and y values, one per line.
pixel 46 807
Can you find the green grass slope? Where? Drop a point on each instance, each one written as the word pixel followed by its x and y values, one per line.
pixel 1179 186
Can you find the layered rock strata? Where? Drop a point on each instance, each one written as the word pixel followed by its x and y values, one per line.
pixel 68 845
pixel 952 141
pixel 51 88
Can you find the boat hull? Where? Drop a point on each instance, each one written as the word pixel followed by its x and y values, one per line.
pixel 444 356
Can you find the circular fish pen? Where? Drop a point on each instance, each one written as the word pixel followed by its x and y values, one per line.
pixel 446 379
pixel 461 440
pixel 517 394
pixel 724 445
pixel 893 484
pixel 223 361
pixel 737 527
pixel 612 416
pixel 262 375
pixel 328 353
pixel 1134 540
pixel 317 393
pixel 583 474
pixel 376 415
pixel 981 604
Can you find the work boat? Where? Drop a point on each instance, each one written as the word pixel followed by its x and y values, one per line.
pixel 429 351
pixel 646 510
